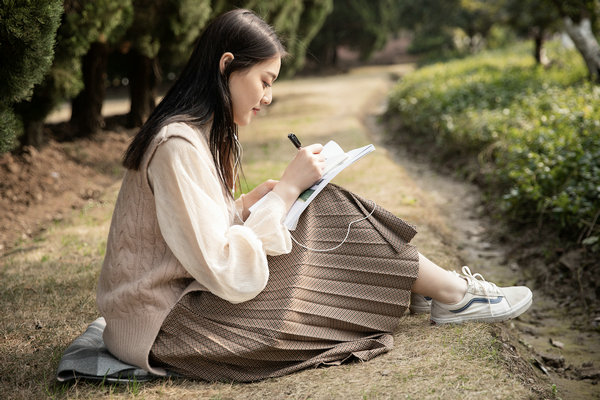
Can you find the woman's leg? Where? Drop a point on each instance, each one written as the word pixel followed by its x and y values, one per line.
pixel 439 284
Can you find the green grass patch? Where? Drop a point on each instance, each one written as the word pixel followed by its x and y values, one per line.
pixel 534 132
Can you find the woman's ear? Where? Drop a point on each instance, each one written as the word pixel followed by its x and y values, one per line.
pixel 226 58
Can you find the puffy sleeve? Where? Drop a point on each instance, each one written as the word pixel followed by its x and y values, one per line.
pixel 193 215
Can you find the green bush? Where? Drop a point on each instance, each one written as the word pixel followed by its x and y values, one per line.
pixel 27 38
pixel 535 131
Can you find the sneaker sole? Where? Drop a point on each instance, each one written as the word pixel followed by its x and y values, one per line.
pixel 513 313
pixel 420 310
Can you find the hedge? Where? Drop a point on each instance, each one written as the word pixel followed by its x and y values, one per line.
pixel 534 130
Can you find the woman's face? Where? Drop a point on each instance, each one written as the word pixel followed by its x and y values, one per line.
pixel 251 89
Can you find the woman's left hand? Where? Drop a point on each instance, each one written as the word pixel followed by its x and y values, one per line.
pixel 255 195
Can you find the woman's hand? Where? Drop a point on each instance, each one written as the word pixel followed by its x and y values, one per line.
pixel 255 195
pixel 302 172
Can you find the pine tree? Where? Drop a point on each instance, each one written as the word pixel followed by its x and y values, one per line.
pixel 166 26
pixel 27 37
pixel 111 18
pixel 363 25
pixel 297 22
pixel 79 28
pixel 284 16
pixel 432 23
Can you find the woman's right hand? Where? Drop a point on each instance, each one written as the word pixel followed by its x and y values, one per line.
pixel 303 171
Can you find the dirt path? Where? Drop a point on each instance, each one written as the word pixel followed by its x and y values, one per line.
pixel 565 349
pixel 451 362
pixel 453 229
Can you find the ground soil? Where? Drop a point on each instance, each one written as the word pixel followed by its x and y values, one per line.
pixel 38 187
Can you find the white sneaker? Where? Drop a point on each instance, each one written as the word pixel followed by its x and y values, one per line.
pixel 419 304
pixel 483 302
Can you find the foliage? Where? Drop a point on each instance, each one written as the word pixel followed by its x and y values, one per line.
pixel 527 18
pixel 432 23
pixel 10 124
pixel 575 9
pixel 83 23
pixel 309 24
pixel 27 37
pixel 185 20
pixel 476 18
pixel 295 21
pixel 168 26
pixel 536 131
pixel 362 25
pixel 451 28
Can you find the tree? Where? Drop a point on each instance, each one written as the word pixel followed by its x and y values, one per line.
pixel 27 37
pixel 311 22
pixel 580 19
pixel 297 22
pixel 79 28
pixel 167 26
pixel 476 18
pixel 112 18
pixel 528 19
pixel 362 25
pixel 432 23
pixel 155 43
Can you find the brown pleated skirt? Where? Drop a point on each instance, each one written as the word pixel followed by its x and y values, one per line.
pixel 317 308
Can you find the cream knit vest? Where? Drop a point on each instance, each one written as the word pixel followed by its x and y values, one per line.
pixel 141 280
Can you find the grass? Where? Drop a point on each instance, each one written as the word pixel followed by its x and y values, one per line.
pixel 47 296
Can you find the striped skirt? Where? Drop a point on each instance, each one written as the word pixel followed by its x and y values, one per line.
pixel 319 307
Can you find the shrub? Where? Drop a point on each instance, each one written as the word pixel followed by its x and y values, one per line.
pixel 534 130
pixel 27 37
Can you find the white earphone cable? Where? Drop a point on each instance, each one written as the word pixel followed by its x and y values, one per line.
pixel 345 238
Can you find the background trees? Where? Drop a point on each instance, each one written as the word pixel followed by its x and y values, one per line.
pixel 164 28
pixel 581 23
pixel 361 25
pixel 67 58
pixel 296 21
pixel 55 51
pixel 528 19
pixel 83 23
pixel 111 19
pixel 435 24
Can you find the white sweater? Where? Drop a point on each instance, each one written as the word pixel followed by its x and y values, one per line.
pixel 228 260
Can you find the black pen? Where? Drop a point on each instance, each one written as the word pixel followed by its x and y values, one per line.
pixel 295 140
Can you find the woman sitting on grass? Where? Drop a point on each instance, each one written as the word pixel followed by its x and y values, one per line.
pixel 195 283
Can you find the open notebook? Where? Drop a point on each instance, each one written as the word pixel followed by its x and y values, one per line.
pixel 336 160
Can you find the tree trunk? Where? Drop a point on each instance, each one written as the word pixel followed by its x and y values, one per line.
pixel 333 55
pixel 582 36
pixel 86 114
pixel 143 81
pixel 33 134
pixel 539 42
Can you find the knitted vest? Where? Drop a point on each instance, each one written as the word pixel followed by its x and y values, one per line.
pixel 141 280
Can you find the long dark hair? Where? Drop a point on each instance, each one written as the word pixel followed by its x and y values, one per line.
pixel 201 94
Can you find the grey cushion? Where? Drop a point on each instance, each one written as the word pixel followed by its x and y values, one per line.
pixel 88 358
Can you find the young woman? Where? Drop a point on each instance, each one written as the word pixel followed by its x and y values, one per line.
pixel 195 283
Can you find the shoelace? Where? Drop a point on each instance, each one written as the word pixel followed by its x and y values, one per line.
pixel 477 280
